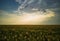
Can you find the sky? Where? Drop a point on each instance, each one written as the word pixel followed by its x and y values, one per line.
pixel 29 12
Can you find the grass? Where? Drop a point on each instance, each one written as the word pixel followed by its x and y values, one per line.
pixel 29 32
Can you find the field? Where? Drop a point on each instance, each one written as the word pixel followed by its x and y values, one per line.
pixel 29 32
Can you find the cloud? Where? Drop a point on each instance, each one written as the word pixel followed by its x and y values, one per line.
pixel 39 4
pixel 36 18
pixel 33 12
pixel 28 4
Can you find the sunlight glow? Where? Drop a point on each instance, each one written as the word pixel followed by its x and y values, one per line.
pixel 33 18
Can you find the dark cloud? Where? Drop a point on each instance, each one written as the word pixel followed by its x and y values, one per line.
pixel 51 3
pixel 40 4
